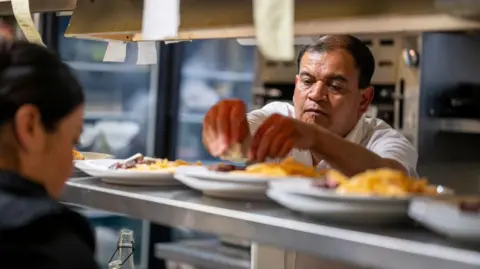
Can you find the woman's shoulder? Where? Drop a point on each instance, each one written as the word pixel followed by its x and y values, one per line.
pixel 61 239
pixel 39 232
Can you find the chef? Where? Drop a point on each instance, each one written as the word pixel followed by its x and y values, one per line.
pixel 325 127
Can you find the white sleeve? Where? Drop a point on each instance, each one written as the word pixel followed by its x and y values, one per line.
pixel 393 145
pixel 256 117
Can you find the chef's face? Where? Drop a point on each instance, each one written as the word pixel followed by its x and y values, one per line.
pixel 327 92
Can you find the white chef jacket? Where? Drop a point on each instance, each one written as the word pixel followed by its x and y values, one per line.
pixel 372 133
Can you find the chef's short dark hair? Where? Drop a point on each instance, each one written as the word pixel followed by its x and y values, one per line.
pixel 32 74
pixel 359 51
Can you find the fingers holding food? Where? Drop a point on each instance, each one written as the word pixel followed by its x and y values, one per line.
pixel 238 122
pixel 263 137
pixel 209 129
pixel 224 125
pixel 275 138
pixel 285 149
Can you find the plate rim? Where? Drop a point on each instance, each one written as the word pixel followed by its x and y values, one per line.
pixel 383 211
pixel 182 177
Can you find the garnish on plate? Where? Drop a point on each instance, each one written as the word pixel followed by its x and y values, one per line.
pixel 138 162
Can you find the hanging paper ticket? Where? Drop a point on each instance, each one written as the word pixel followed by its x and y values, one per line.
pixel 274 28
pixel 21 11
pixel 161 19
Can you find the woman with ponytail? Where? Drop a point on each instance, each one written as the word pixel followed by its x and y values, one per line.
pixel 41 118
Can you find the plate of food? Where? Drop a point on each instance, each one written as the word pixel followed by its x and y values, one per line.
pixel 136 170
pixel 373 185
pixel 225 190
pixel 259 173
pixel 375 196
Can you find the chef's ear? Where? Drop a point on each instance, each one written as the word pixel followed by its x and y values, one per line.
pixel 366 97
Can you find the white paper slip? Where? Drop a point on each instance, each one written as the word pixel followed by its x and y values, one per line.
pixel 147 52
pixel 161 19
pixel 274 28
pixel 116 52
pixel 21 11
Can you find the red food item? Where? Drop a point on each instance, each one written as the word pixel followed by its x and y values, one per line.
pixel 471 207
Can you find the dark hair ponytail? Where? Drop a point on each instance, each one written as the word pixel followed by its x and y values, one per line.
pixel 31 74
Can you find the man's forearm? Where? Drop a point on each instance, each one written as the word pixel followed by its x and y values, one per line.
pixel 348 157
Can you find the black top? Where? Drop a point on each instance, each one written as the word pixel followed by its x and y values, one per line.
pixel 38 232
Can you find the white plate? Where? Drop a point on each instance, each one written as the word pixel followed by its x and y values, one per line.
pixel 446 219
pixel 99 168
pixel 228 190
pixel 202 172
pixel 340 209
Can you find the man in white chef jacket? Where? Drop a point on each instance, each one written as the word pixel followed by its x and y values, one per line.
pixel 326 126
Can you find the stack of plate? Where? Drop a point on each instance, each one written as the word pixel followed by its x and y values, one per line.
pixel 223 184
pixel 299 195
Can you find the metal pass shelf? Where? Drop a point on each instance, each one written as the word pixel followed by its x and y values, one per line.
pixel 268 223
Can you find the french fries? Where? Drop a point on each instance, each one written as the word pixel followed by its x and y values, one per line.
pixel 381 182
pixel 77 156
pixel 289 167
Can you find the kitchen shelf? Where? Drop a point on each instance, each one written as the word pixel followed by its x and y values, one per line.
pixel 268 223
pixel 95 214
pixel 108 67
pixel 217 75
pixel 458 125
pixel 92 213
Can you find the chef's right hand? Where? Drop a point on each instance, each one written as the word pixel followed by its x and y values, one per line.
pixel 224 125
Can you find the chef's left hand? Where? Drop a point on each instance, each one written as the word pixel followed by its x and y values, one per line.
pixel 278 135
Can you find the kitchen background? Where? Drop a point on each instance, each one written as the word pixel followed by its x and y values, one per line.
pixel 426 87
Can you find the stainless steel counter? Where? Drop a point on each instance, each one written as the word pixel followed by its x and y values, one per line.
pixel 267 223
